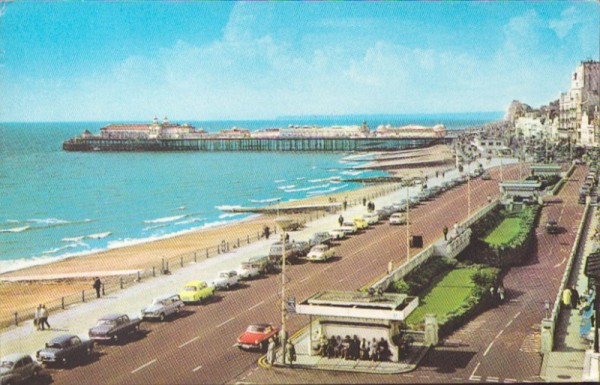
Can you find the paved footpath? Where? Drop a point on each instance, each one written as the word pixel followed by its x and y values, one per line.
pixel 566 362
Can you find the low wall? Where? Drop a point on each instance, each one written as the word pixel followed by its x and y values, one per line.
pixel 565 280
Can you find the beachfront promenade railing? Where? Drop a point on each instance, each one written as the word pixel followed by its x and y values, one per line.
pixel 17 315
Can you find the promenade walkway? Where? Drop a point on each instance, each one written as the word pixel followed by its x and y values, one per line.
pixel 566 363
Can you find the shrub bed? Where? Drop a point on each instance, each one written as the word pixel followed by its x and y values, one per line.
pixel 421 277
pixel 508 247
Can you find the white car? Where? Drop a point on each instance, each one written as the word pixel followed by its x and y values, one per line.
pixel 337 233
pixel 249 270
pixel 226 279
pixel 320 253
pixel 162 307
pixel 371 218
pixel 397 219
pixel 349 227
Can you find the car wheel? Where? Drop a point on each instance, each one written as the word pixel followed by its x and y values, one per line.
pixel 161 317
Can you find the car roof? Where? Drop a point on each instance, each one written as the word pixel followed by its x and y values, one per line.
pixel 112 316
pixel 261 325
pixel 194 283
pixel 14 357
pixel 60 339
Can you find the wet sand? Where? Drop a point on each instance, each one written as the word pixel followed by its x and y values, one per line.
pixel 31 287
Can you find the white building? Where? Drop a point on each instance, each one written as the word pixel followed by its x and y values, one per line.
pixel 412 130
pixel 164 130
pixel 583 96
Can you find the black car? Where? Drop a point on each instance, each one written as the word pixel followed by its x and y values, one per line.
pixel 552 227
pixel 65 349
pixel 114 327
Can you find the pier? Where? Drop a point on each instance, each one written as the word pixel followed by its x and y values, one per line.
pixel 218 143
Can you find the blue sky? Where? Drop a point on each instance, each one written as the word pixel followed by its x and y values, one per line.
pixel 213 60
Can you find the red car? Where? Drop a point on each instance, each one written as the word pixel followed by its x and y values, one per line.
pixel 257 336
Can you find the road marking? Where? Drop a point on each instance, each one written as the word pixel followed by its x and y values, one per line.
pixel 304 279
pixel 341 280
pixel 492 379
pixel 498 335
pixel 516 315
pixel 475 378
pixel 474 370
pixel 509 322
pixel 196 369
pixel 488 348
pixel 258 304
pixel 558 264
pixel 189 342
pixel 223 323
pixel 143 366
pixel 510 380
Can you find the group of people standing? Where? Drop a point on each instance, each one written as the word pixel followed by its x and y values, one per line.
pixel 353 348
pixel 290 352
pixel 40 317
pixel 570 297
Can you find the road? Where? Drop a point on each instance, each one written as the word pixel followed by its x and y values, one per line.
pixel 199 347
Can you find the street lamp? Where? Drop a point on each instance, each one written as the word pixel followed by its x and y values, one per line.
pixel 468 189
pixel 407 225
pixel 283 223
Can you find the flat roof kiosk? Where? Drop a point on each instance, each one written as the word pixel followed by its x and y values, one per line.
pixel 542 169
pixel 520 188
pixel 357 313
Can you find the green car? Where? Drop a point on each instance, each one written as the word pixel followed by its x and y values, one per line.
pixel 196 292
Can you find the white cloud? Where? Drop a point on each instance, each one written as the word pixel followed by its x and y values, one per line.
pixel 568 19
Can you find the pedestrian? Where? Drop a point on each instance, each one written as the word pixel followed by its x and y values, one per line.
pixel 287 237
pixel 290 351
pixel 501 292
pixel 372 206
pixel 374 353
pixel 267 232
pixel 566 297
pixel 493 293
pixel 44 317
pixel 455 228
pixel 390 267
pixel 574 297
pixel 445 232
pixel 97 285
pixel 437 173
pixel 364 201
pixel 345 204
pixel 271 351
pixel 341 220
pixel 36 317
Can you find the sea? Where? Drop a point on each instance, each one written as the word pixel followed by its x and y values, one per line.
pixel 56 204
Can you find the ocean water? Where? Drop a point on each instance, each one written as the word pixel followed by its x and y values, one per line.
pixel 56 204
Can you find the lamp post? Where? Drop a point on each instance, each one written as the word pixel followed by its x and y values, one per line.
pixel 407 225
pixel 283 223
pixel 468 189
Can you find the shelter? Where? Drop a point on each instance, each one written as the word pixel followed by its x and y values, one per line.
pixel 358 313
pixel 545 169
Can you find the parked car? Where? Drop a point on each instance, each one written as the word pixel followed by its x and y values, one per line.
pixel 263 262
pixel 349 227
pixel 249 270
pixel 257 336
pixel 360 223
pixel 276 252
pixel 18 368
pixel 163 307
pixel 552 227
pixel 226 279
pixel 320 253
pixel 398 219
pixel 114 327
pixel 196 292
pixel 301 247
pixel 321 237
pixel 371 218
pixel 65 349
pixel 337 233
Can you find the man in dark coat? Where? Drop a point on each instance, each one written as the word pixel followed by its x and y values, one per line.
pixel 97 286
pixel 574 297
pixel 341 220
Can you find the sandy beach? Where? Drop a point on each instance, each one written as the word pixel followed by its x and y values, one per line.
pixel 27 287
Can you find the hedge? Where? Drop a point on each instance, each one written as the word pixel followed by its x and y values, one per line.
pixel 422 276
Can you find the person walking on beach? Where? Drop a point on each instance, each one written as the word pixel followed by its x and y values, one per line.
pixel 445 232
pixel 44 317
pixel 364 201
pixel 341 220
pixel 271 351
pixel 97 286
pixel 345 204
pixel 266 232
pixel 36 317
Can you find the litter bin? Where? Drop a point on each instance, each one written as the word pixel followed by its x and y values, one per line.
pixel 416 241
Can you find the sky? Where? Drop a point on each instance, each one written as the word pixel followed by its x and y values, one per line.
pixel 217 60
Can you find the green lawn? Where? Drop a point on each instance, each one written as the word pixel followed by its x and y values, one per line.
pixel 449 293
pixel 505 232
